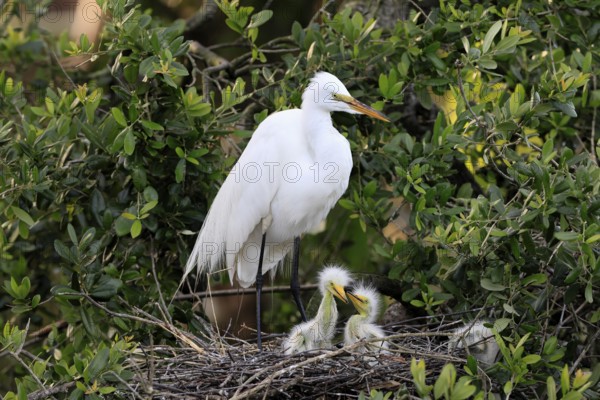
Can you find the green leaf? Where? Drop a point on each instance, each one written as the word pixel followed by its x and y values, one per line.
pixel 383 84
pixel 22 215
pixel 531 359
pixel 136 228
pixel 370 188
pixel 180 171
pixel 260 18
pixel 107 389
pixel 588 293
pixel 564 380
pixel 62 250
pixel 566 236
pixel 148 207
pixel 118 116
pixel 593 238
pixel 463 389
pixel 507 45
pixel 551 388
pixel 98 364
pixel 152 125
pixel 40 111
pixel 106 287
pixel 487 284
pixel 129 142
pixel 568 108
pixel 573 396
pixel 129 216
pixel 347 204
pixel 72 234
pixel 234 26
pixel 508 387
pixel 123 225
pixel 509 309
pixel 490 35
pixel 487 63
pixel 150 194
pixel 466 45
pixel 445 382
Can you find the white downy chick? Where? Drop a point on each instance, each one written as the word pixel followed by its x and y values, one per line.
pixel 318 332
pixel 360 326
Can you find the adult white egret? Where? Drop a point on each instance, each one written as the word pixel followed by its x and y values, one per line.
pixel 294 169
pixel 360 326
pixel 318 332
pixel 479 340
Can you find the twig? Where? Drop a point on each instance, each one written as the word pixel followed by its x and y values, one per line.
pixel 161 301
pixel 593 133
pixel 321 10
pixel 214 61
pixel 416 5
pixel 584 351
pixel 459 65
pixel 240 291
pixel 150 320
pixel 15 355
pixel 312 360
pixel 127 385
pixel 206 12
pixel 50 392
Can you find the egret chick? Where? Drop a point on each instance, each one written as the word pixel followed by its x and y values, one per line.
pixel 318 332
pixel 478 339
pixel 360 326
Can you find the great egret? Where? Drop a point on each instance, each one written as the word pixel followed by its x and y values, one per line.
pixel 318 332
pixel 294 169
pixel 478 339
pixel 362 325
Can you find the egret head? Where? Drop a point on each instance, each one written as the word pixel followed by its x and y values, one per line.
pixel 327 92
pixel 365 299
pixel 333 279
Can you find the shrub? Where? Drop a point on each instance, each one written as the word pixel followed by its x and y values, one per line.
pixel 107 174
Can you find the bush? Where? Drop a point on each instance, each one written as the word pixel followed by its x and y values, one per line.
pixel 107 175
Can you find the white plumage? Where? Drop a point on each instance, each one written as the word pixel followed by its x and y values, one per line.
pixel 361 326
pixel 478 339
pixel 292 172
pixel 319 331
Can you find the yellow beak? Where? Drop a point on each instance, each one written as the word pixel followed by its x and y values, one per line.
pixel 362 108
pixel 357 301
pixel 340 293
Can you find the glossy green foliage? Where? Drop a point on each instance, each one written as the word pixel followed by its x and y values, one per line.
pixel 107 175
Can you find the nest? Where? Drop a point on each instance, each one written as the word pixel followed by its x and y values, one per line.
pixel 235 369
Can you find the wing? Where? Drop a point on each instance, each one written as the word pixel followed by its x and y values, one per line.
pixel 244 199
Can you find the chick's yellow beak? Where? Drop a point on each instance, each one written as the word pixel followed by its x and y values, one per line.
pixel 362 108
pixel 358 302
pixel 340 293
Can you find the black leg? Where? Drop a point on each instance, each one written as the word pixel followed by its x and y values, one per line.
pixel 259 282
pixel 294 285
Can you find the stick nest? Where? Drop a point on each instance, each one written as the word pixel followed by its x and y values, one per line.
pixel 236 370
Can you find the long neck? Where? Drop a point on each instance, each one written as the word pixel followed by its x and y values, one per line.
pixel 327 314
pixel 317 123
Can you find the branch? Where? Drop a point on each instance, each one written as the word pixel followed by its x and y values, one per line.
pixel 205 13
pixel 240 291
pixel 50 392
pixel 593 133
pixel 214 61
pixel 458 64
pixel 150 320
